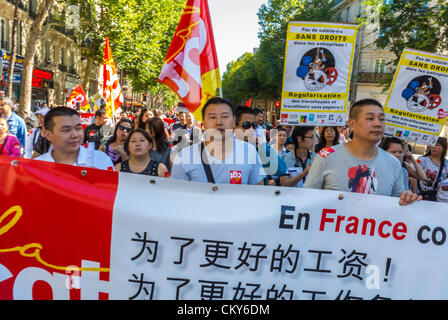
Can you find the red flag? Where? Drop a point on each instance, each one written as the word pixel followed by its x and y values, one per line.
pixel 78 96
pixel 191 65
pixel 248 103
pixel 111 85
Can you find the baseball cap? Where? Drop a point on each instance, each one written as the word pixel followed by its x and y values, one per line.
pixel 42 111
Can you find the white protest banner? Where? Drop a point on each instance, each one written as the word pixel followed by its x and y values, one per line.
pixel 416 107
pixel 317 71
pixel 124 236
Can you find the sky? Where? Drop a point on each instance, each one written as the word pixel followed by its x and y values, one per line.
pixel 235 28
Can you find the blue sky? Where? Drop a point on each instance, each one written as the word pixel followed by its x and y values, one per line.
pixel 235 28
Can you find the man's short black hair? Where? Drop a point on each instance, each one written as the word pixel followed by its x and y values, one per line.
pixel 240 110
pixel 99 113
pixel 355 109
pixel 257 111
pixel 217 100
pixel 56 112
pixel 387 141
pixel 300 131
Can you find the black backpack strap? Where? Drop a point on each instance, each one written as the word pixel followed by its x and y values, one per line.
pixel 207 169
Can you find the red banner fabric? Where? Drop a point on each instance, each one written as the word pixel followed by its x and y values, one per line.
pixel 44 232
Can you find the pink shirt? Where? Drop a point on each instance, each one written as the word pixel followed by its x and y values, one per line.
pixel 11 146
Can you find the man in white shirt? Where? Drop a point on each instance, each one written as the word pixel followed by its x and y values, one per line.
pixel 230 160
pixel 63 129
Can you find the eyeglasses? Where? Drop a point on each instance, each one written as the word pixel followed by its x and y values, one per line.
pixel 308 137
pixel 247 125
pixel 123 128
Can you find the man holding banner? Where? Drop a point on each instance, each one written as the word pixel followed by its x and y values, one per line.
pixel 360 166
pixel 221 158
pixel 63 129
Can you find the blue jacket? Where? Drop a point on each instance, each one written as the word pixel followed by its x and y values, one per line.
pixel 17 127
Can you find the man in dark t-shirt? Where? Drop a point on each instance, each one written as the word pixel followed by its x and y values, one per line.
pixel 97 131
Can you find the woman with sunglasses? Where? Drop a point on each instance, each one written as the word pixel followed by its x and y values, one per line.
pixel 114 147
pixel 137 147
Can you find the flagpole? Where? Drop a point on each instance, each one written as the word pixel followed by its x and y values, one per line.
pixel 113 108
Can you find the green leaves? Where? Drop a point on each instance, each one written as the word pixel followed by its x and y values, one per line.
pixel 260 75
pixel 139 31
pixel 415 24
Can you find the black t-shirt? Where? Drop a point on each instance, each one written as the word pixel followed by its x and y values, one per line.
pixel 42 145
pixel 179 130
pixel 96 134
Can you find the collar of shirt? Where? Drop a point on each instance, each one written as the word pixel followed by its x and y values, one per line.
pixel 82 160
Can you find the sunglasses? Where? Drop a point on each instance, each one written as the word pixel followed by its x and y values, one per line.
pixel 123 128
pixel 247 125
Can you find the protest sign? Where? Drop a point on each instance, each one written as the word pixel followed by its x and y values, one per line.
pixel 317 71
pixel 416 107
pixel 80 233
pixel 86 119
pixel 97 100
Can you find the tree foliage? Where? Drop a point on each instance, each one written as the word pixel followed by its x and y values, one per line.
pixel 139 31
pixel 260 75
pixel 400 24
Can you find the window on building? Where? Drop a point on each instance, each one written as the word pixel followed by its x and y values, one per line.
pixel 19 37
pixel 63 56
pixel 3 42
pixel 347 15
pixel 32 9
pixel 54 54
pixel 380 66
pixel 72 60
pixel 381 31
pixel 47 51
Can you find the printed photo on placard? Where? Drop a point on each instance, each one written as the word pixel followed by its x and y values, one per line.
pixel 317 72
pixel 416 108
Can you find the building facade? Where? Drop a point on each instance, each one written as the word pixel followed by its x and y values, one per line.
pixel 58 63
pixel 371 63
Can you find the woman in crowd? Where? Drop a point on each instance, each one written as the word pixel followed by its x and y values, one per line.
pixel 279 144
pixel 143 117
pixel 299 159
pixel 160 150
pixel 9 144
pixel 436 168
pixel 328 137
pixel 411 169
pixel 36 143
pixel 114 147
pixel 137 147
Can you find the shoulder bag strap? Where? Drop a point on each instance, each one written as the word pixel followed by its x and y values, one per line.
pixel 442 165
pixel 4 143
pixel 207 169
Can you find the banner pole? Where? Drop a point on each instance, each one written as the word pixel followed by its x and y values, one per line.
pixel 314 143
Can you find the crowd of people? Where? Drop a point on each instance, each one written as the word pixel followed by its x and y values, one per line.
pixel 234 145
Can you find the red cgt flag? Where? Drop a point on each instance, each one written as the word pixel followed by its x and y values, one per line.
pixel 191 65
pixel 112 93
pixel 78 96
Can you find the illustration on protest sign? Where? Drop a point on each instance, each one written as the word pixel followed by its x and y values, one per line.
pixel 317 72
pixel 416 107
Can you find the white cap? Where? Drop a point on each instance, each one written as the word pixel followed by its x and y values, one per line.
pixel 43 111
